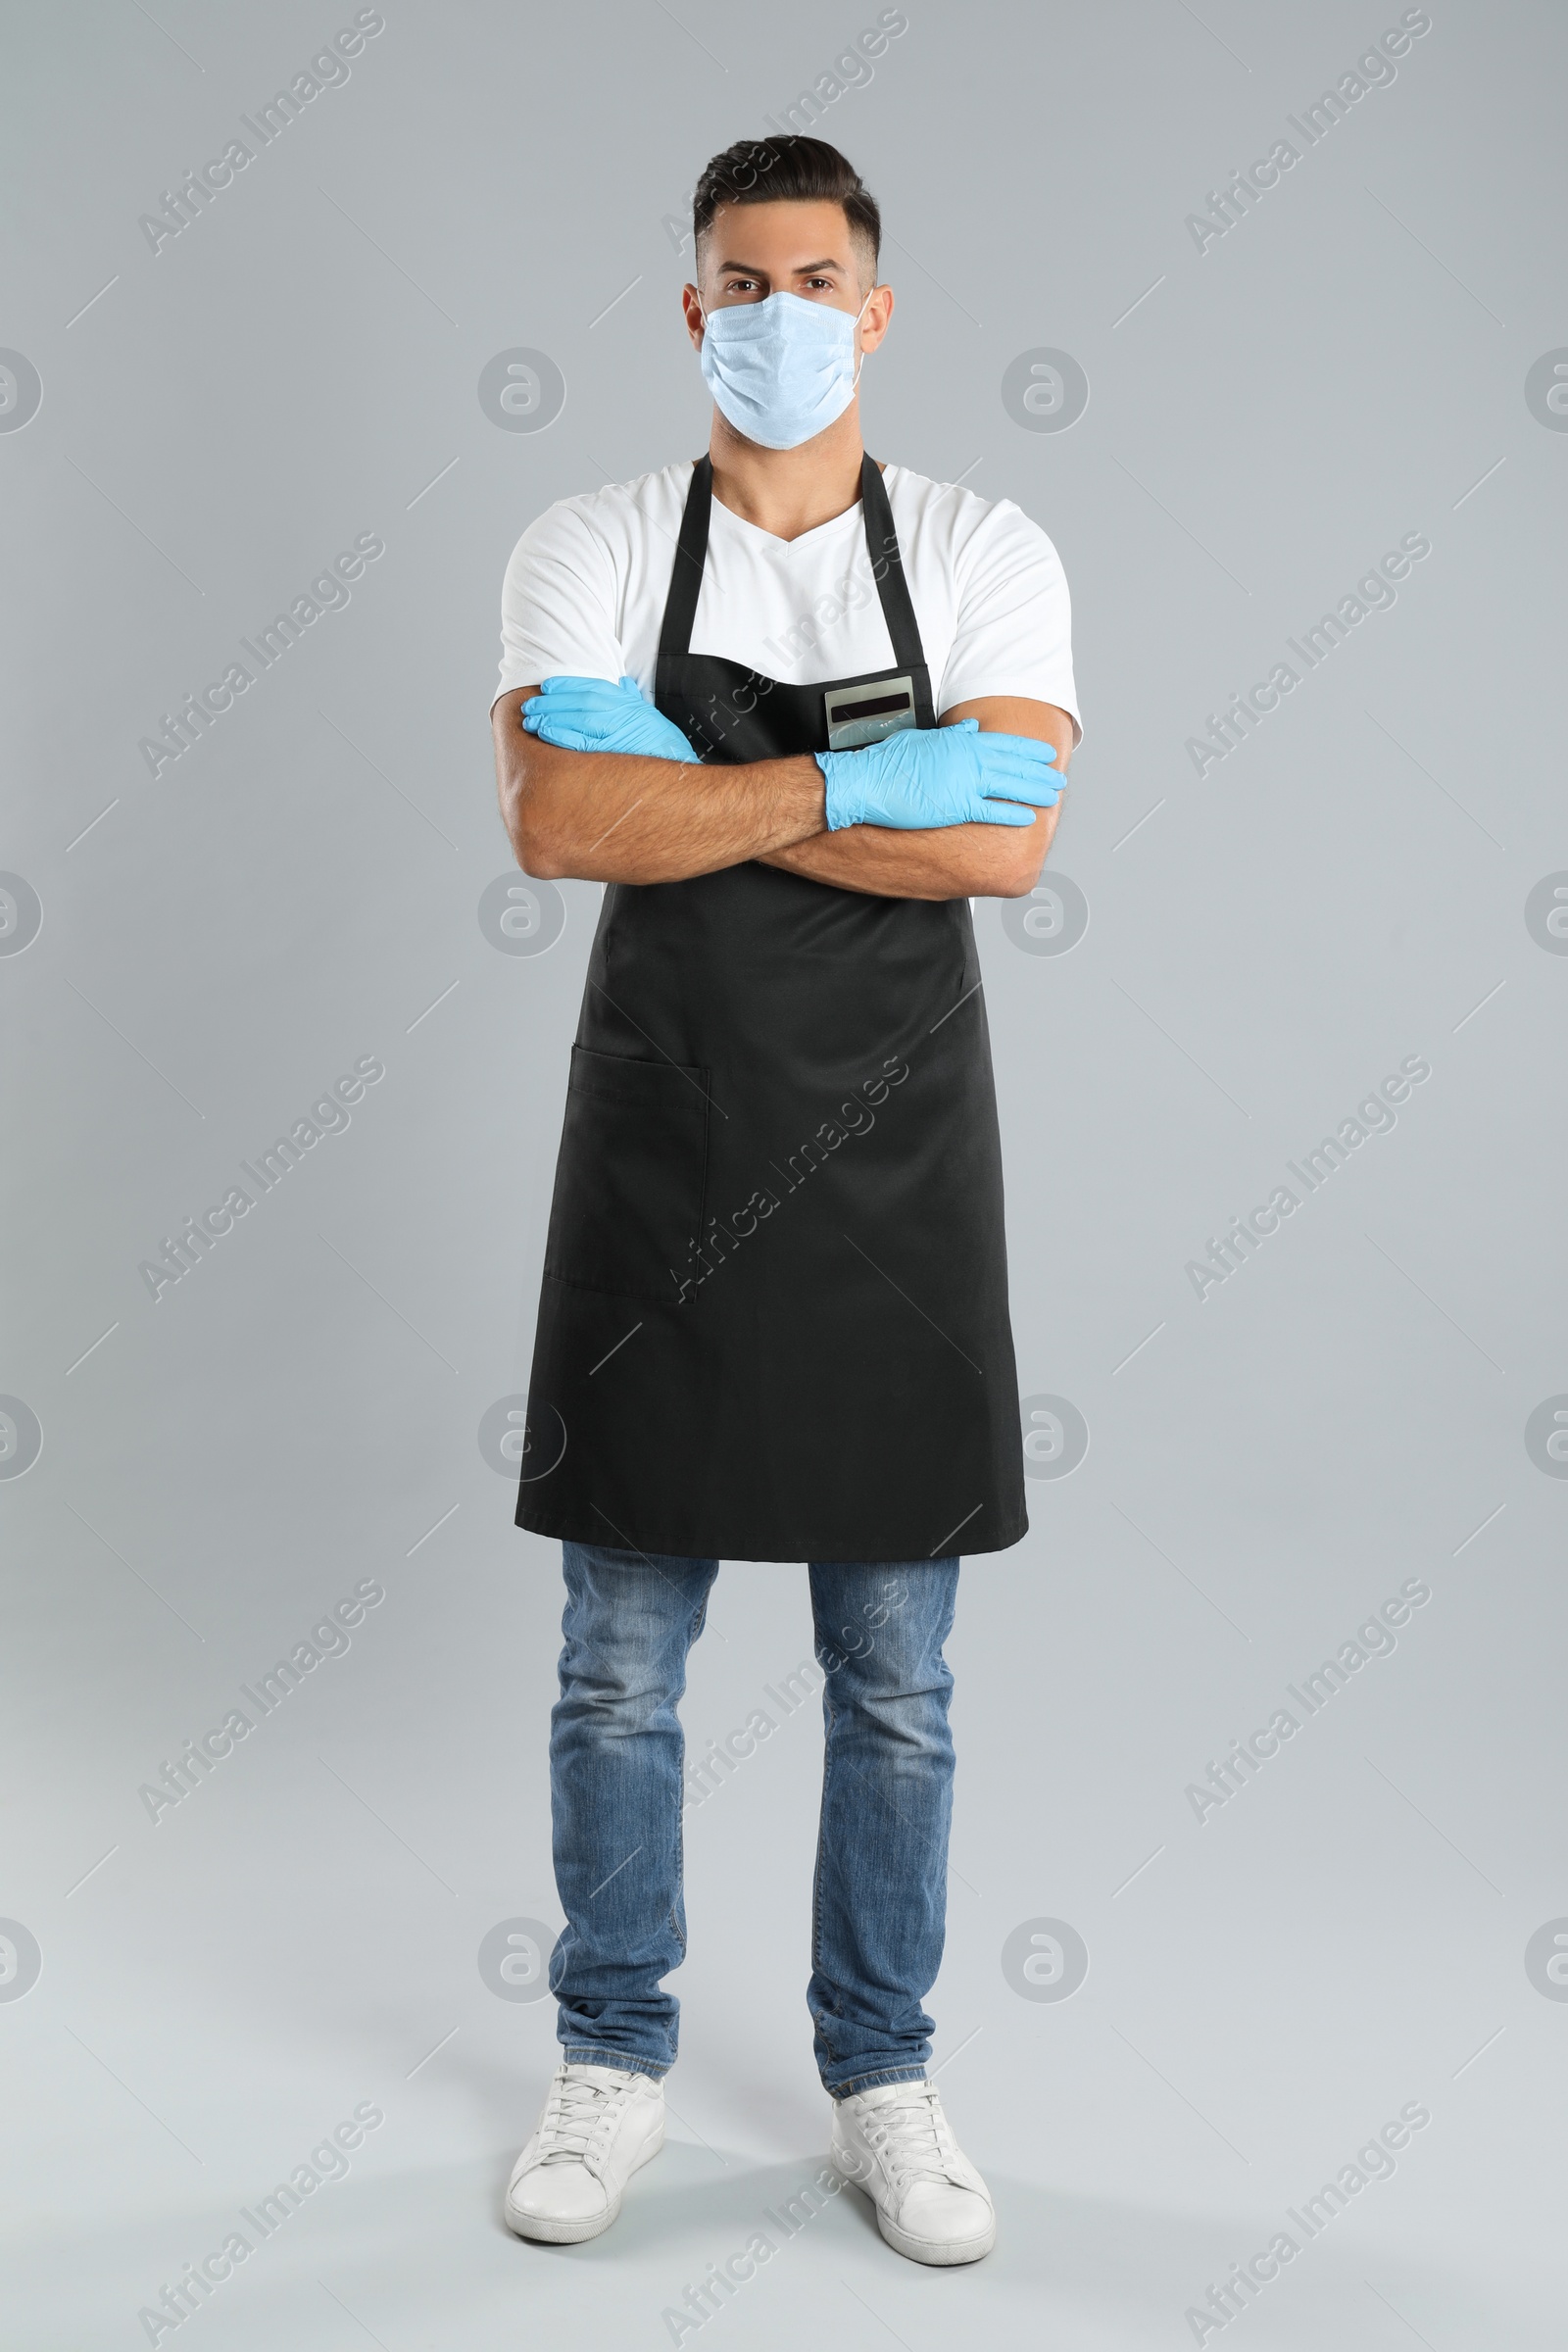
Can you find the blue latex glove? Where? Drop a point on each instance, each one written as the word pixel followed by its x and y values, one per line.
pixel 584 715
pixel 924 776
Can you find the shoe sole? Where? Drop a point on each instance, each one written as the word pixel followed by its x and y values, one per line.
pixel 570 2231
pixel 940 2253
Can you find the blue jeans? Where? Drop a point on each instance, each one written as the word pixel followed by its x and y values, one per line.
pixel 618 1778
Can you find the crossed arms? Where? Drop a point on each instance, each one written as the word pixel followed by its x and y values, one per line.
pixel 611 817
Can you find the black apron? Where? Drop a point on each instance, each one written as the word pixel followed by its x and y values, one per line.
pixel 773 1321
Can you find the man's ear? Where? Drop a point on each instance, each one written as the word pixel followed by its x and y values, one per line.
pixel 874 325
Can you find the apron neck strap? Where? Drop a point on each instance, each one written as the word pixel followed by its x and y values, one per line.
pixel 691 552
pixel 887 569
pixel 881 546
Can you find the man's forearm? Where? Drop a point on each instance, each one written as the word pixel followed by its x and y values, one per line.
pixel 953 861
pixel 610 817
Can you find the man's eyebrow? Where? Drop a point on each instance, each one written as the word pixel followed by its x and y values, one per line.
pixel 801 268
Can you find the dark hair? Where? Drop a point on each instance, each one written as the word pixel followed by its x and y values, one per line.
pixel 786 170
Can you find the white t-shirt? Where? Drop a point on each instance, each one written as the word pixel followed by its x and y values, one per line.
pixel 585 588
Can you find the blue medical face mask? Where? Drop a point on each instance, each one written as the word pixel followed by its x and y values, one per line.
pixel 783 369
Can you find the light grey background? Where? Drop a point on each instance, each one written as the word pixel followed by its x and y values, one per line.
pixel 301 1412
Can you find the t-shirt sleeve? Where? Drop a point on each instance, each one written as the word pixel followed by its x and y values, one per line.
pixel 1015 623
pixel 559 604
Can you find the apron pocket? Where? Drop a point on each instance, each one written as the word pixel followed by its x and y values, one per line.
pixel 628 1196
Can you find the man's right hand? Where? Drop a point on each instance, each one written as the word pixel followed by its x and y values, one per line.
pixel 924 777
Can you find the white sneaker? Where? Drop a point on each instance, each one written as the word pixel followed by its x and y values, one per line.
pixel 895 2143
pixel 599 2124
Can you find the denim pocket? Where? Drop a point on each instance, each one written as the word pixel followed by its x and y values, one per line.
pixel 629 1179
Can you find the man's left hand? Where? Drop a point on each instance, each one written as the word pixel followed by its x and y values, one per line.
pixel 586 714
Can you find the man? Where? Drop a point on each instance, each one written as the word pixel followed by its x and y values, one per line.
pixel 794 708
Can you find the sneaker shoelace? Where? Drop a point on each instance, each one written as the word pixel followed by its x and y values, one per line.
pixel 577 2114
pixel 910 2134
